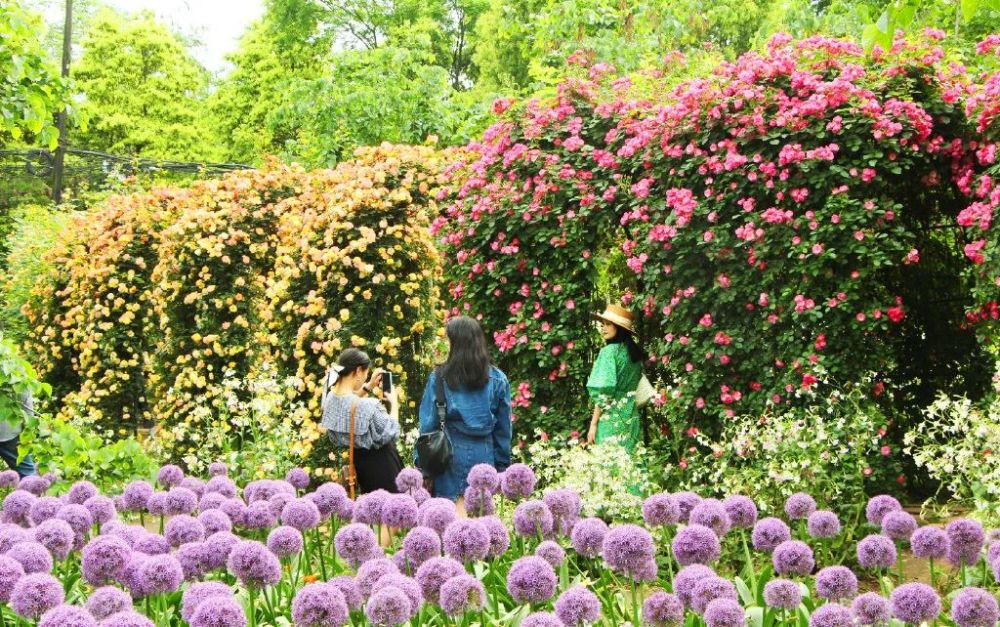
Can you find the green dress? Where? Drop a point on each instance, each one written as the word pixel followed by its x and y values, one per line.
pixel 612 386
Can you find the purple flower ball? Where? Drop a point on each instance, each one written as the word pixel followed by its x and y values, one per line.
pixel 80 491
pixel 531 580
pixel 823 524
pixel 477 503
pixel 421 544
pixel 432 574
pixel 915 603
pixel 389 606
pixel 34 557
pixel 11 535
pixel 319 605
pixel 399 511
pixel 871 608
pixel 259 515
pixel 660 510
pixel 879 506
pixel 78 518
pixel 277 502
pixel 9 479
pixel 484 477
pixel 235 508
pixel 696 544
pixel 899 525
pixel 151 544
pixel 768 533
pixel 742 511
pixel 408 585
pixel 541 619
pixel 285 541
pixel 588 535
pixel 219 611
pixel 128 618
pixel 221 485
pixel 348 588
pixel 686 501
pixel 437 513
pixel 533 519
pixel 627 549
pixel 712 514
pixel 194 560
pixel 169 476
pixel 725 613
pixel 499 535
pixel 709 589
pixel 371 571
pixel 216 469
pixel 211 501
pixel 214 521
pixel 17 506
pixel 466 540
pixel 67 616
pixel 800 505
pixel 43 509
pixel 128 576
pixel 180 501
pixel 102 509
pixel 254 565
pixel 517 482
pixel 198 592
pixel 462 594
pixel 420 495
pixel 156 504
pixel 578 606
pixel 551 552
pixel 33 595
pixel 136 495
pixel 217 548
pixel 793 557
pixel 301 514
pixel 298 477
pixel 565 505
pixel 831 615
pixel 183 529
pixel 662 609
pixel 10 572
pixel 195 485
pixel 783 594
pixel 836 583
pixel 687 578
pixel 34 484
pixel 329 499
pixel 368 508
pixel 106 601
pixel 409 479
pixel 965 541
pixel 975 607
pixel 56 536
pixel 876 551
pixel 356 543
pixel 160 574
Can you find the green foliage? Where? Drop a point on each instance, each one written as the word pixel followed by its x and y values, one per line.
pixel 17 377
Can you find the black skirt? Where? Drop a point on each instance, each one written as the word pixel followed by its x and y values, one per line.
pixel 377 468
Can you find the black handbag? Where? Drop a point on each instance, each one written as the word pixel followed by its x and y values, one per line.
pixel 434 449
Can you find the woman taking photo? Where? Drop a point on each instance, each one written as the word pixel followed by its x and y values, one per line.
pixel 477 401
pixel 348 390
pixel 613 380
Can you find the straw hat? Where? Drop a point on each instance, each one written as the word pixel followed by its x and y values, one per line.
pixel 618 316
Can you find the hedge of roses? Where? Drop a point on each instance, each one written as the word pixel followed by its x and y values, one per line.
pixel 160 301
pixel 792 220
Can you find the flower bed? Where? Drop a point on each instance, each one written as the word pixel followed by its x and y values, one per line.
pixel 208 552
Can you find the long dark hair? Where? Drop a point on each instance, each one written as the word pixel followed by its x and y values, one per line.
pixel 468 363
pixel 353 359
pixel 635 352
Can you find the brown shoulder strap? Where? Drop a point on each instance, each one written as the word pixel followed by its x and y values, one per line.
pixel 352 475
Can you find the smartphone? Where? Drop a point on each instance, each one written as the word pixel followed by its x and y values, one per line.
pixel 386 382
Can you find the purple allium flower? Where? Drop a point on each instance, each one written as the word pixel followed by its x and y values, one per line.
pixel 101 508
pixel 216 469
pixel 899 525
pixel 34 484
pixel 400 511
pixel 108 600
pixel 551 553
pixel 408 585
pixel 356 543
pixel 876 551
pixel 517 482
pixel 421 544
pixel 709 589
pixel 259 515
pixel 183 529
pixel 319 605
pixel 696 544
pixel 565 505
pixel 180 501
pixel 975 607
pixel 17 506
pixel 129 577
pixel 11 535
pixel 871 608
pixel 160 574
pixel 301 514
pixel 67 616
pixel 44 508
pixel 782 594
pixel 56 536
pixel 78 518
pixel 793 557
pixel 389 606
pixel 128 618
pixel 169 476
pixel 10 572
pixel 156 504
pixel 432 574
pixel 836 583
pixel 687 578
pixel 437 514
pixel 660 510
pixel 9 479
pixel 461 594
pixel 533 519
pixel 277 503
pixel 420 495
pixel 285 541
pixel 373 570
pixel 541 619
pixel 136 496
pixel 965 541
pixel 578 606
pixel 198 592
pixel 742 511
pixel 646 571
pixel 214 521
pixel 831 615
pixel 80 491
pixel 298 477
pixel 466 540
pixel 991 554
pixel 686 502
pixel 348 588
pixel 194 560
pixel 221 485
pixel 264 489
pixel 368 507
pixel 879 506
pixel 151 544
pixel 477 502
pixel 410 479
pixel 712 514
pixel 800 505
pixel 531 580
pixel 662 609
pixel 34 557
pixel 915 603
pixel 33 595
pixel 627 548
pixel 217 548
pixel 725 613
pixel 235 508
pixel 254 565
pixel 588 535
pixel 219 611
pixel 823 524
pixel 484 477
pixel 329 498
pixel 499 535
pixel 768 533
pixel 194 484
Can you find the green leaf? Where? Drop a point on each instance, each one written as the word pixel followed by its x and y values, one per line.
pixel 969 8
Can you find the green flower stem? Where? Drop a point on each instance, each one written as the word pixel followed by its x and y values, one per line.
pixel 635 603
pixel 253 607
pixel 749 562
pixel 930 563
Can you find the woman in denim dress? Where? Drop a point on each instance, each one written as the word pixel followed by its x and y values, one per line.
pixel 478 398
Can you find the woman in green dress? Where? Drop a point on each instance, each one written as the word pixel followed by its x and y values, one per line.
pixel 613 381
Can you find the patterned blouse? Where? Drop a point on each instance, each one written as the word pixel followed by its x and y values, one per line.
pixel 373 426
